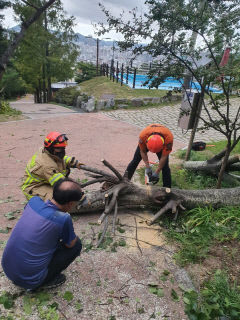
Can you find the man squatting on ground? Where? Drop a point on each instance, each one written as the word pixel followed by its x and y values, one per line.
pixel 47 166
pixel 43 242
pixel 157 139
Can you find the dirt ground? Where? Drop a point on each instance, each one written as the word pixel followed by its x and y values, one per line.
pixel 134 276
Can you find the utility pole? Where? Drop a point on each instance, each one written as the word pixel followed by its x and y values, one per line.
pixel 97 55
pixel 186 85
pixel 113 49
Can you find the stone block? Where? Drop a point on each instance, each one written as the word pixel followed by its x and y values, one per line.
pixel 156 100
pixel 122 101
pixel 147 100
pixel 110 103
pixel 89 106
pixel 79 101
pixel 100 104
pixel 136 102
pixel 122 106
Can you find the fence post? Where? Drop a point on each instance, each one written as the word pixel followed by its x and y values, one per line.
pixel 111 70
pixel 117 71
pixel 127 74
pixel 107 70
pixel 113 74
pixel 134 77
pixel 122 75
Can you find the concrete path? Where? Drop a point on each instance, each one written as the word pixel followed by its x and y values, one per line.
pixel 107 284
pixel 41 111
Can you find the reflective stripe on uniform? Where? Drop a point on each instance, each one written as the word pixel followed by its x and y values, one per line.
pixel 27 195
pixel 67 159
pixel 31 177
pixel 54 178
pixel 32 163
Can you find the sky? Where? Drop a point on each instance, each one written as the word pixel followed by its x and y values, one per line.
pixel 88 12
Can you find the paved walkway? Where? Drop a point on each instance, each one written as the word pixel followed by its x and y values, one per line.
pixel 39 110
pixel 168 116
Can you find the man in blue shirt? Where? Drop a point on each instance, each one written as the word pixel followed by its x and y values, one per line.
pixel 43 242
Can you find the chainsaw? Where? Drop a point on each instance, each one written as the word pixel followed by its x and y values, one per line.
pixel 147 179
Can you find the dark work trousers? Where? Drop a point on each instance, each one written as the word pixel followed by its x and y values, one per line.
pixel 166 172
pixel 61 259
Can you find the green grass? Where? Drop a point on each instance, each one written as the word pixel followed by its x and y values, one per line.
pixel 196 230
pixel 208 152
pixel 217 298
pixel 100 86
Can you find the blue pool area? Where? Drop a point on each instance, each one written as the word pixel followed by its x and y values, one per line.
pixel 170 83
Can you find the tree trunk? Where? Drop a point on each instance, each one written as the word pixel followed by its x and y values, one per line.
pixel 49 90
pixel 48 76
pixel 40 90
pixel 44 83
pixel 217 166
pixel 130 195
pixel 224 164
pixel 145 196
pixel 37 95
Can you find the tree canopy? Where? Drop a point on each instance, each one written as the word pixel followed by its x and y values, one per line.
pixel 50 40
pixel 27 16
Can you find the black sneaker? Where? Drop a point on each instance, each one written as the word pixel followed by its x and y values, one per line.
pixel 57 281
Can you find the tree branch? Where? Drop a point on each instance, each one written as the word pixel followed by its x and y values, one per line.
pixel 30 4
pixel 115 171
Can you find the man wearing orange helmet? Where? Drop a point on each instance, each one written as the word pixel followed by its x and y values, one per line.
pixel 47 166
pixel 157 139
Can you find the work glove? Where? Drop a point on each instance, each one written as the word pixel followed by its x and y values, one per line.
pixel 74 163
pixel 154 178
pixel 149 172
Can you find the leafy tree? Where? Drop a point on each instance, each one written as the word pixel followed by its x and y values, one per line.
pixel 85 71
pixel 171 28
pixel 33 14
pixel 3 36
pixel 3 33
pixel 51 42
pixel 12 84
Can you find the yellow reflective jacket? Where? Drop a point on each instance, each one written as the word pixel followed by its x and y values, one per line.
pixel 42 171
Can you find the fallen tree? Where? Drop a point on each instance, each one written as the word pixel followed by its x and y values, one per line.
pixel 123 193
pixel 213 166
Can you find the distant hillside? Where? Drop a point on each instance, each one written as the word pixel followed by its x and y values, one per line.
pixel 80 38
pixel 92 41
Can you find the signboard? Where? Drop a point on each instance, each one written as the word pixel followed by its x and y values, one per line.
pixel 188 109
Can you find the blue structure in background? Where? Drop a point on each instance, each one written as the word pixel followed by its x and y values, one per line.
pixel 170 83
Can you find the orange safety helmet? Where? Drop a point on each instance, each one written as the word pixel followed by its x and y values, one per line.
pixel 56 140
pixel 155 143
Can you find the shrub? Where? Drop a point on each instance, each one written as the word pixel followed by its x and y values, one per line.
pixel 68 95
pixel 86 71
pixel 6 109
